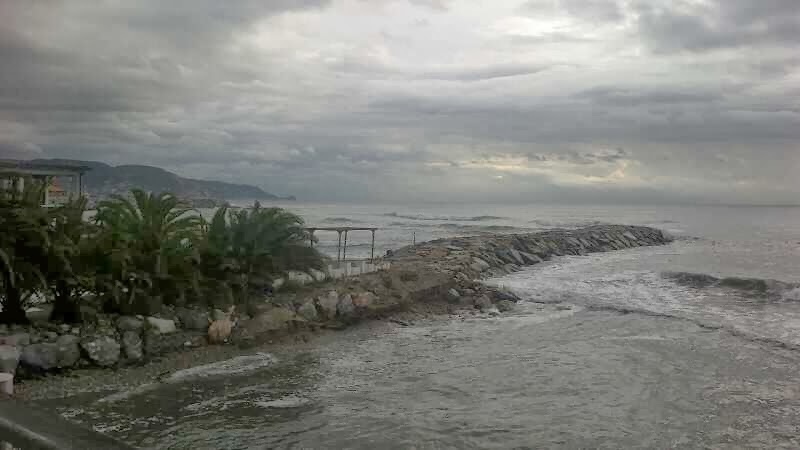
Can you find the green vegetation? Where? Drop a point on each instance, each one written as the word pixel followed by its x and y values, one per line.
pixel 140 253
pixel 238 255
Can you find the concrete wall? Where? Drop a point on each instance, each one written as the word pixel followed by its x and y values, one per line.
pixel 346 269
pixel 334 271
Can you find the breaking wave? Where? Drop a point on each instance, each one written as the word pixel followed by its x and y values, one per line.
pixel 561 224
pixel 478 228
pixel 773 289
pixel 339 220
pixel 700 322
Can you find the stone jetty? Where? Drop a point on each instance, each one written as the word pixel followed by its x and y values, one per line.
pixel 445 272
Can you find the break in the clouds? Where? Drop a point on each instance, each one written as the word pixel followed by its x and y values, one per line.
pixel 408 100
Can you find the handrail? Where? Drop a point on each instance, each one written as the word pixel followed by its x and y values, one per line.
pixel 29 428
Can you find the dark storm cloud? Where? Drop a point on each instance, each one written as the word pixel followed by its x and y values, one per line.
pixel 353 99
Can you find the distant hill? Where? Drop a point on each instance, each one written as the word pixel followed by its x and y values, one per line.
pixel 105 180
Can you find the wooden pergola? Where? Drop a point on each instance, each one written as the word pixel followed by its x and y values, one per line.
pixel 341 250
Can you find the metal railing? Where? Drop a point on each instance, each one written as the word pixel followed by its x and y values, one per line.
pixel 28 428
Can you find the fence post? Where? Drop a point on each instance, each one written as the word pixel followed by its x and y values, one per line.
pixel 372 249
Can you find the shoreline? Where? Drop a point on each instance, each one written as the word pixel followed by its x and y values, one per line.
pixel 436 278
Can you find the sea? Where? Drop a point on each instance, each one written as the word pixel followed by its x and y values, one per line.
pixel 695 344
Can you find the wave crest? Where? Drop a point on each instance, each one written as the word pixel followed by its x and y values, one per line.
pixel 763 287
pixel 339 220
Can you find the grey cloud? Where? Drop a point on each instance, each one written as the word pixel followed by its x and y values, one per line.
pixel 440 5
pixel 323 98
pixel 598 10
pixel 633 97
pixel 587 10
pixel 19 150
pixel 376 69
pixel 720 24
pixel 484 73
pixel 581 158
pixel 549 38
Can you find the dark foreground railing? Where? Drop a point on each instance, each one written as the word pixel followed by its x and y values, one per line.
pixel 29 428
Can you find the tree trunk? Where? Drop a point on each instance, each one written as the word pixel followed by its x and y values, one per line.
pixel 13 312
pixel 65 307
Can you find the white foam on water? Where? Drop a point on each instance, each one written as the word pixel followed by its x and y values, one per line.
pixel 792 295
pixel 215 403
pixel 259 396
pixel 126 394
pixel 233 366
pixel 289 401
pixel 238 365
pixel 629 281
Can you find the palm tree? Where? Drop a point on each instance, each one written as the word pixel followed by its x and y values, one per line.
pixel 251 246
pixel 25 246
pixel 149 240
pixel 71 269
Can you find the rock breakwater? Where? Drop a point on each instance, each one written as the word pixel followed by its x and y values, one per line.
pixel 443 275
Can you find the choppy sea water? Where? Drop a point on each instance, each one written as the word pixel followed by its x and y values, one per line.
pixel 691 345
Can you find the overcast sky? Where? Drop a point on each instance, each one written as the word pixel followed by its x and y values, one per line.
pixel 415 100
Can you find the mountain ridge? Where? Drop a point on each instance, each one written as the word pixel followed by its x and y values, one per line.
pixel 104 180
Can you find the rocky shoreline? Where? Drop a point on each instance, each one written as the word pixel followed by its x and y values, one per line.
pixel 444 275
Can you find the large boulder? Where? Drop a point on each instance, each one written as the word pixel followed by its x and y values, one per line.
pixel 308 311
pixel 301 278
pixel 345 307
pixel 217 315
pixel 505 295
pixel 274 319
pixel 129 323
pixel 163 326
pixel 9 358
pixel 50 336
pixel 68 351
pixel 156 344
pixel 328 304
pixel 192 319
pixel 318 275
pixel 39 314
pixel 479 265
pixel 40 357
pixel 103 350
pixel 530 259
pixel 16 340
pixel 505 305
pixel 132 346
pixel 483 303
pixel 364 300
pixel 88 313
pixel 453 296
pixel 510 256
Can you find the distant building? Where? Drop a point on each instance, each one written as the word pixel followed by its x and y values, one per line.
pixel 61 182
